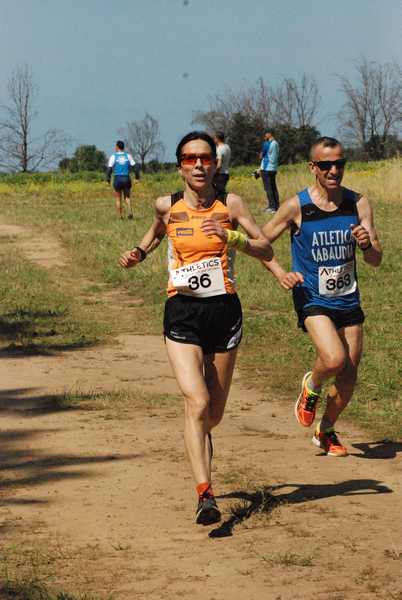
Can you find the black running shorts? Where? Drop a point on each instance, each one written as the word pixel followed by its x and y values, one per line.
pixel 213 323
pixel 340 318
pixel 121 183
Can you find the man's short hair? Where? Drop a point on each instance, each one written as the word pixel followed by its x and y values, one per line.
pixel 220 136
pixel 326 141
pixel 271 131
pixel 120 144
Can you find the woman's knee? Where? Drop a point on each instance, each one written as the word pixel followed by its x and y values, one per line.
pixel 196 408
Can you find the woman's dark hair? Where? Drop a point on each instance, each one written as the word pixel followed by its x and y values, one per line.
pixel 195 135
pixel 120 144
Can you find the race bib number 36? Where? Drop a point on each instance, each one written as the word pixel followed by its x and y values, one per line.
pixel 337 281
pixel 202 279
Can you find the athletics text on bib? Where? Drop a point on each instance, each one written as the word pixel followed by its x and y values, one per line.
pixel 202 279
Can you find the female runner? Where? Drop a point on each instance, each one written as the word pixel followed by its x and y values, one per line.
pixel 203 316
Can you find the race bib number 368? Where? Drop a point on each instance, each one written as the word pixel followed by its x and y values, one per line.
pixel 337 281
pixel 202 279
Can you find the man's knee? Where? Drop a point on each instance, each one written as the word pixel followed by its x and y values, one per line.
pixel 334 362
pixel 349 372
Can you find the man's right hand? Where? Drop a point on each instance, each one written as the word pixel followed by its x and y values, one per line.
pixel 291 279
pixel 129 259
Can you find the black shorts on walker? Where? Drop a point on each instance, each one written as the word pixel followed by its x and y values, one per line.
pixel 121 183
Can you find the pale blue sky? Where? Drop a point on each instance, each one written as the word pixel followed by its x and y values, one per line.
pixel 100 63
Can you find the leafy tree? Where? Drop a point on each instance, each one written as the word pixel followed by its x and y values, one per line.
pixel 244 135
pixel 295 142
pixel 154 166
pixel 379 147
pixel 64 164
pixel 85 158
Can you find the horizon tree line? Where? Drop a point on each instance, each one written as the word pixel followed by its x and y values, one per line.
pixel 370 121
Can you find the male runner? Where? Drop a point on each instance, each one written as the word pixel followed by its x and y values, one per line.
pixel 119 164
pixel 327 223
pixel 268 169
pixel 223 154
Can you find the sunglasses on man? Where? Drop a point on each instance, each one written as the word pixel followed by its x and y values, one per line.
pixel 190 160
pixel 326 165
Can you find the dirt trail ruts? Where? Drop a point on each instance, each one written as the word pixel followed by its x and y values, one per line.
pixel 105 496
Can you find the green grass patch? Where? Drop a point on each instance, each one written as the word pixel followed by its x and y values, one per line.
pixel 34 589
pixel 30 578
pixel 37 315
pixel 288 559
pixel 115 399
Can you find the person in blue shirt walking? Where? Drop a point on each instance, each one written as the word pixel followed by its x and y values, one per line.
pixel 268 169
pixel 120 163
pixel 327 223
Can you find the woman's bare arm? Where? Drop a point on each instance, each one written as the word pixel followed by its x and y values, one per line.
pixel 152 238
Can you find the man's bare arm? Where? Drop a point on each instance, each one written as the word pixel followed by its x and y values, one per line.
pixel 288 213
pixel 365 234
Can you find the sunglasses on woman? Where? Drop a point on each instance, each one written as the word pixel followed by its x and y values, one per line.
pixel 326 165
pixel 190 160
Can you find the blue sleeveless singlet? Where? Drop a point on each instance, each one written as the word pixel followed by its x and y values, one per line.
pixel 323 250
pixel 121 166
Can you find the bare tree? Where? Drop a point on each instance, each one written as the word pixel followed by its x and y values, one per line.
pixel 256 101
pixel 291 107
pixel 290 103
pixel 297 103
pixel 19 151
pixel 372 111
pixel 142 138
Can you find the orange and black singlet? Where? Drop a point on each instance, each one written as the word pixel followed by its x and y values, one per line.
pixel 199 265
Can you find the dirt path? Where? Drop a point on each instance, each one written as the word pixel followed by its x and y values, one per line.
pixel 100 498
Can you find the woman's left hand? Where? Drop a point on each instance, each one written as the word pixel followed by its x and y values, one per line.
pixel 212 227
